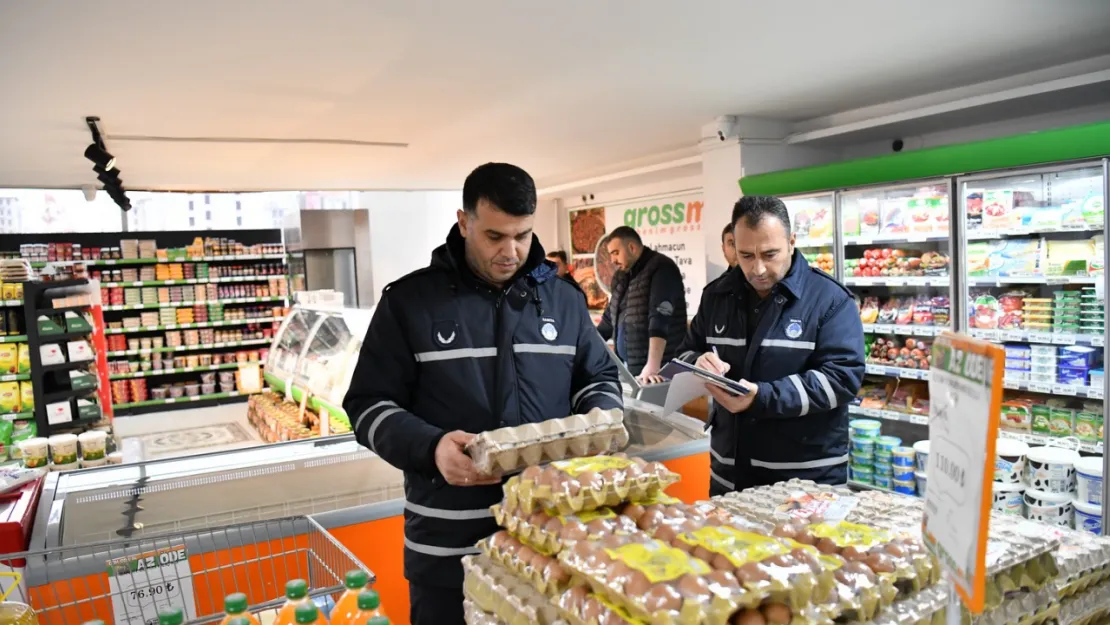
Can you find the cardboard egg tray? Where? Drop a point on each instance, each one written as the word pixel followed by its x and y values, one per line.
pixel 1083 560
pixel 545 574
pixel 509 449
pixel 502 596
pixel 928 607
pixel 1091 607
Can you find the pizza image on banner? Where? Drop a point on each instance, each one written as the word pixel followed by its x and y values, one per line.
pixel 670 225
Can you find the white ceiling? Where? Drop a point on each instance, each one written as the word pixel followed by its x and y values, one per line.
pixel 561 88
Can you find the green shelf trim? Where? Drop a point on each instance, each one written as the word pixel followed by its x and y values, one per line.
pixel 190 304
pixel 197 324
pixel 190 348
pixel 1036 148
pixel 15 338
pixel 278 385
pixel 14 416
pixel 152 372
pixel 15 377
pixel 188 281
pixel 179 400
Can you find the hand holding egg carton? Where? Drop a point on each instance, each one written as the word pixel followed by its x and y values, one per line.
pixel 507 449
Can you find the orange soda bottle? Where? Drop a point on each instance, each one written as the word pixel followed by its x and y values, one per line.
pixel 347 607
pixel 235 606
pixel 296 595
pixel 378 620
pixel 308 614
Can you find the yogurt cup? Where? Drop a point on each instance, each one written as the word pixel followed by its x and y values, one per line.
pixel 883 481
pixel 903 473
pixel 89 464
pixel 1088 517
pixel 905 487
pixel 863 475
pixel 116 457
pixel 902 457
pixel 71 466
pixel 864 459
pixel 921 449
pixel 1051 469
pixel 887 443
pixel 864 428
pixel 63 449
pixel 883 455
pixel 922 482
pixel 1009 498
pixel 1009 460
pixel 35 452
pixel 1088 480
pixel 863 445
pixel 94 445
pixel 1051 508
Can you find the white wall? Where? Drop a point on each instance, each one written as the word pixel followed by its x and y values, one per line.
pixel 405 226
pixel 547 224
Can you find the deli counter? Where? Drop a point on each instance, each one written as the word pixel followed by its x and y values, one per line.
pixel 352 493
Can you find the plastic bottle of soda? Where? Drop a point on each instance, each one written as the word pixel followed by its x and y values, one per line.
pixel 171 616
pixel 346 609
pixel 235 605
pixel 378 620
pixel 309 614
pixel 296 595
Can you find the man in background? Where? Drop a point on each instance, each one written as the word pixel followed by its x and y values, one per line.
pixel 728 246
pixel 562 265
pixel 791 335
pixel 646 316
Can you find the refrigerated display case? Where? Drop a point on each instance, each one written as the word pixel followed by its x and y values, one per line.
pixel 812 220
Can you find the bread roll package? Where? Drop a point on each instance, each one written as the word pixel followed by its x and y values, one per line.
pixel 508 449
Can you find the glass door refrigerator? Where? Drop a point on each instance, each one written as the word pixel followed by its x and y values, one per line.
pixel 812 219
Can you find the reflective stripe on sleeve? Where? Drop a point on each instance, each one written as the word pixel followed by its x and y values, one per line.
pixel 540 348
pixel 719 458
pixel 721 340
pixel 788 344
pixel 721 480
pixel 584 389
pixel 620 402
pixel 827 386
pixel 457 354
pixel 440 552
pixel 449 515
pixel 377 422
pixel 797 382
pixel 812 464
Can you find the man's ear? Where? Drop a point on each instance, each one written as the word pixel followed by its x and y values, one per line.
pixel 462 217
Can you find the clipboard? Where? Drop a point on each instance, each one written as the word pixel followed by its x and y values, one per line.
pixel 678 366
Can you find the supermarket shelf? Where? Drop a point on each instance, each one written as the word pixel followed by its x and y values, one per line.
pixel 806 243
pixel 190 259
pixel 152 373
pixel 889 415
pixel 1002 281
pixel 905 237
pixel 191 348
pixel 44 285
pixel 199 324
pixel 232 300
pixel 15 338
pixel 1026 336
pixel 69 366
pixel 861 486
pixel 159 405
pixel 9 303
pixel 904 330
pixel 12 416
pixel 56 396
pixel 191 281
pixel 938 281
pixel 898 372
pixel 15 377
pixel 980 235
pixel 64 309
pixel 1039 439
pixel 1069 390
pixel 63 336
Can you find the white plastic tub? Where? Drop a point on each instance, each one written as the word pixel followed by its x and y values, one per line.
pixel 921 453
pixel 1009 498
pixel 922 482
pixel 1088 480
pixel 1088 517
pixel 1009 462
pixel 1051 469
pixel 63 450
pixel 1050 508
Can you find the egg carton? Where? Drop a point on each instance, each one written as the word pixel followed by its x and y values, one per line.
pixel 1091 607
pixel 1020 608
pixel 1083 560
pixel 503 596
pixel 546 575
pixel 473 615
pixel 508 449
pixel 582 484
pixel 928 607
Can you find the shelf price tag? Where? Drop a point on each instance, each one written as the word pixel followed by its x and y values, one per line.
pixel 1011 384
pixel 965 391
pixel 884 329
pixel 1040 387
pixel 903 330
pixel 919 419
pixel 872 412
pixel 924 331
pixel 1013 335
pixel 1095 392
pixel 1064 389
pixel 1040 337
pixel 1098 341
pixel 1063 339
pixel 146 583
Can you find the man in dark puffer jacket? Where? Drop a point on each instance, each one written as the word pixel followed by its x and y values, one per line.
pixel 485 337
pixel 646 316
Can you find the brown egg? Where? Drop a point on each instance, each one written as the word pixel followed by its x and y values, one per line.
pixel 636 460
pixel 571 487
pixel 785 531
pixel 649 520
pixel 592 609
pixel 777 614
pixel 574 530
pixel 633 473
pixel 816 518
pixel 618 572
pixel 619 454
pixel 665 533
pixel 656 469
pixel 613 541
pixel 694 587
pixel 613 476
pixel 751 574
pixel 637 585
pixel 625 524
pixel 524 555
pixel 783 560
pixel 531 473
pixel 663 596
pixel 748 617
pixel 721 562
pixel 723 579
pixel 703 554
pixel 583 551
pixel 826 545
pixel 555 573
pixel 689 526
pixel 656 507
pixel 861 569
pixel 633 511
pixel 674 512
pixel 805 537
pixel 590 480
pixel 896 550
pixel 553 526
pixel 498 540
pixel 853 553
pixel 880 563
pixel 538 519
pixel 679 544
pixel 600 526
pixel 546 478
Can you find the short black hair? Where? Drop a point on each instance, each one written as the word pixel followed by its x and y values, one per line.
pixel 753 208
pixel 560 254
pixel 626 234
pixel 727 231
pixel 506 186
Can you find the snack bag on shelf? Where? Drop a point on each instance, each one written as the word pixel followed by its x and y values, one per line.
pixel 9 397
pixel 940 306
pixel 922 311
pixel 889 312
pixel 26 396
pixel 9 358
pixel 873 396
pixel 24 358
pixel 905 312
pixel 869 311
pixel 581 484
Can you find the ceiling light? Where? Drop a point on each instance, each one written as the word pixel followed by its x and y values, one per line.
pixel 100 156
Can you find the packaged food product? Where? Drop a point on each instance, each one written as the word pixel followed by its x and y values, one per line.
pixel 24 358
pixel 569 486
pixel 905 311
pixel 9 397
pixel 1018 415
pixel 552 533
pixel 582 607
pixel 889 311
pixel 507 449
pixel 869 311
pixel 5 439
pixel 24 429
pixel 26 396
pixel 656 582
pixel 922 311
pixel 499 593
pixel 940 307
pixel 63 448
pixel 545 573
pixel 9 358
pixel 986 310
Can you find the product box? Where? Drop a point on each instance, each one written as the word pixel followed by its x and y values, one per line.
pixel 59 412
pixel 1078 356
pixel 894 216
pixel 869 217
pixel 1006 258
pixel 1088 425
pixel 1041 416
pixel 1061 421
pixel 87 410
pixel 998 210
pixel 1072 375
pixel 919 214
pixel 77 323
pixel 1017 415
pixel 1068 257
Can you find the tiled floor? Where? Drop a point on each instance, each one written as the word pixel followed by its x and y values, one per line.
pixel 187 432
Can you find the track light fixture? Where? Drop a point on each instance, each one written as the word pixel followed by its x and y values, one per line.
pixel 104 164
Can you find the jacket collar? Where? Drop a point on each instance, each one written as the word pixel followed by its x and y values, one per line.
pixel 451 256
pixel 733 280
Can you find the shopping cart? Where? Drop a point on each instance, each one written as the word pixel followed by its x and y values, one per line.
pixel 128 581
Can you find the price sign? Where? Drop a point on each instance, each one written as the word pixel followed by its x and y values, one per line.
pixel 884 329
pixel 146 583
pixel 872 412
pixel 1013 335
pixel 924 331
pixel 1063 339
pixel 919 419
pixel 1064 389
pixel 1040 337
pixel 903 330
pixel 1094 392
pixel 1098 341
pixel 965 392
pixel 1040 387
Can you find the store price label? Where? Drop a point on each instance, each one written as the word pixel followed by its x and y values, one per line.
pixel 1095 392
pixel 872 412
pixel 903 330
pixel 919 419
pixel 1064 389
pixel 1098 341
pixel 924 331
pixel 884 329
pixel 1040 387
pixel 1039 337
pixel 965 398
pixel 1063 339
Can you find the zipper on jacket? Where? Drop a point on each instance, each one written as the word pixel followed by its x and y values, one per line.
pixel 498 412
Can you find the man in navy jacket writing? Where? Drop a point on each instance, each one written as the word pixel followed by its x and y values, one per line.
pixel 792 336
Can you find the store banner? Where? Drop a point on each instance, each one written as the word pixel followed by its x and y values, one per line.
pixel 670 225
pixel 965 397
